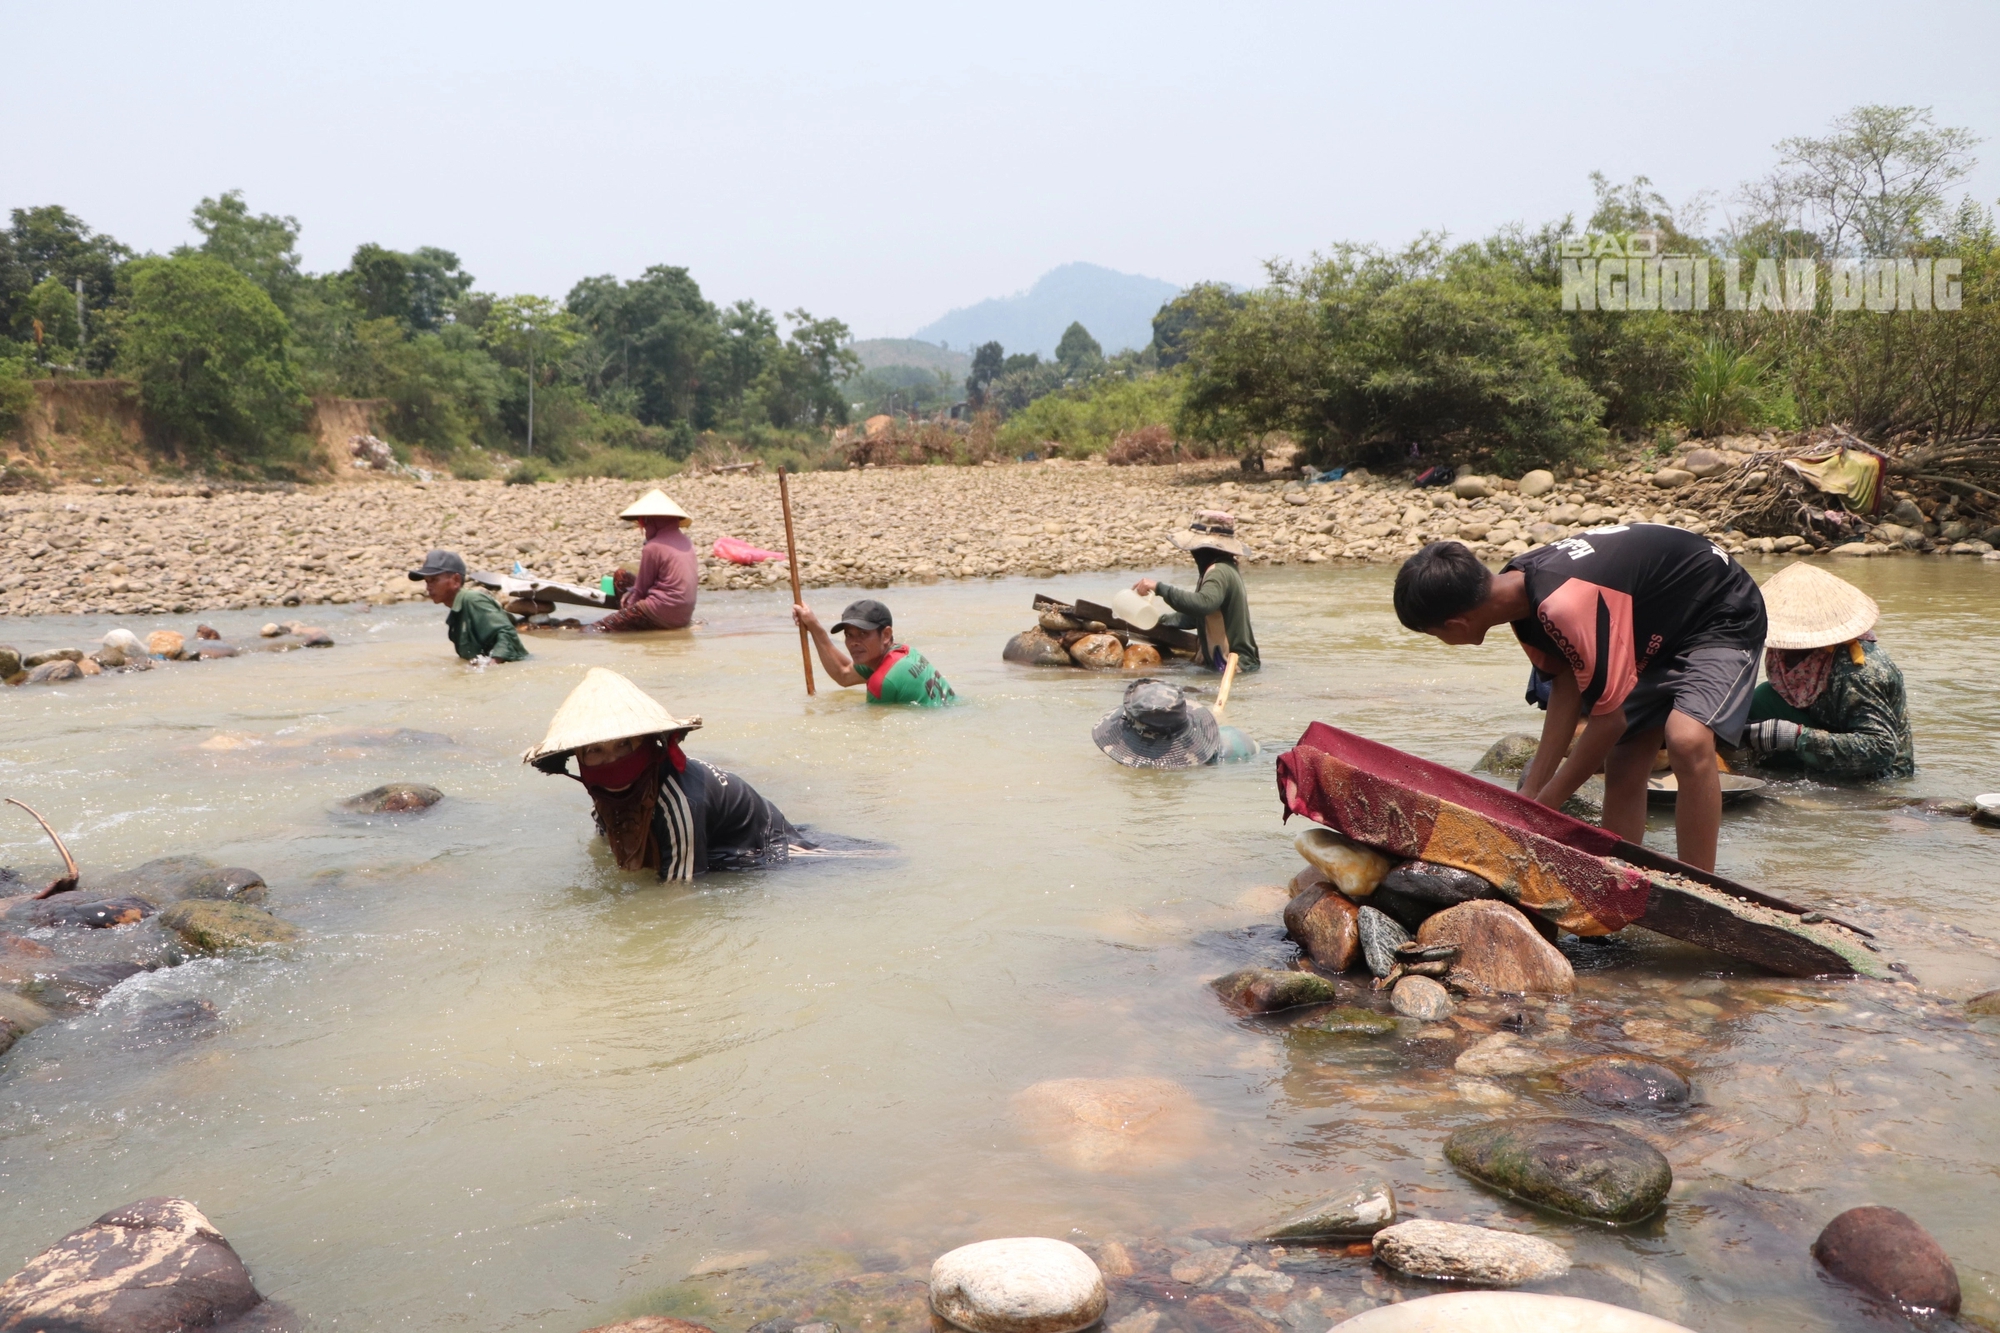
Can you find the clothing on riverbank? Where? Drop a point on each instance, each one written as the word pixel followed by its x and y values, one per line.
pixel 1650 605
pixel 663 594
pixel 1222 591
pixel 906 676
pixel 479 628
pixel 1857 726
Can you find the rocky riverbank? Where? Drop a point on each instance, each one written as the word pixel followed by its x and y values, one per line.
pixel 185 549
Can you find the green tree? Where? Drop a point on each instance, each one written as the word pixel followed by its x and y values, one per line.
pixel 802 385
pixel 654 336
pixel 49 242
pixel 1077 352
pixel 1365 353
pixel 1177 322
pixel 209 350
pixel 418 289
pixel 263 247
pixel 1876 185
pixel 535 334
pixel 988 360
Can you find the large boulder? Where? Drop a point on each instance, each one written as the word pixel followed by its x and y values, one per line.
pixel 1355 870
pixel 216 927
pixel 393 798
pixel 1024 1284
pixel 1504 1312
pixel 155 1266
pixel 1113 1124
pixel 1705 463
pixel 1348 1215
pixel 54 673
pixel 1886 1253
pixel 10 662
pixel 1325 925
pixel 1098 652
pixel 1510 754
pixel 1034 648
pixel 1450 1251
pixel 1539 482
pixel 1671 478
pixel 1140 657
pixel 1266 990
pixel 1499 952
pixel 1415 891
pixel 1577 1167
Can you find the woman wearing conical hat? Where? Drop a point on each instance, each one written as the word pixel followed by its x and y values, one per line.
pixel 1832 702
pixel 659 809
pixel 663 594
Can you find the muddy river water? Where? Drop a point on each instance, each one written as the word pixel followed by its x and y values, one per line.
pixel 504 1086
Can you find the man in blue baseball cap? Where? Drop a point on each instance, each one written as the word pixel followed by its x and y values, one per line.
pixel 479 629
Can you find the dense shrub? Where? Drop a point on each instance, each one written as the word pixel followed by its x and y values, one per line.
pixel 1086 419
pixel 211 355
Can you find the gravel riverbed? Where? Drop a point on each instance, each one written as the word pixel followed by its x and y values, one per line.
pixel 167 549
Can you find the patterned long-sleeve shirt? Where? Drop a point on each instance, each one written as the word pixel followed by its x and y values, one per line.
pixel 1860 724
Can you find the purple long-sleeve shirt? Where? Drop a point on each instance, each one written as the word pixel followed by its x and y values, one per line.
pixel 663 597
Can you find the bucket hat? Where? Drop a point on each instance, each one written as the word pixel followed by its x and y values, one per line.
pixel 654 504
pixel 1211 530
pixel 1810 608
pixel 1156 727
pixel 605 707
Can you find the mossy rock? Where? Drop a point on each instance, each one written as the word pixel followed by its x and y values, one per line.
pixel 1349 1021
pixel 215 926
pixel 1577 1167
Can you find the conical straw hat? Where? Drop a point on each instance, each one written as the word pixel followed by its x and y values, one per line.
pixel 1810 608
pixel 654 504
pixel 605 707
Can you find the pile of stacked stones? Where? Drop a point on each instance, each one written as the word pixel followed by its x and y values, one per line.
pixel 1065 636
pixel 122 651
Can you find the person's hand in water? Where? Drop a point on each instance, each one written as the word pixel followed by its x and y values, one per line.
pixel 1144 587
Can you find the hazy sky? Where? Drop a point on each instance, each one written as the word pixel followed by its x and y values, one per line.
pixel 885 163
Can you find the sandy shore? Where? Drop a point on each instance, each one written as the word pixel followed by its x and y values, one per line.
pixel 163 550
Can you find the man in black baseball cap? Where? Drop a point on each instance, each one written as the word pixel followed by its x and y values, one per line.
pixel 478 628
pixel 894 673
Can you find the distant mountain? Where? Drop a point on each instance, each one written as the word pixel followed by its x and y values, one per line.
pixel 1117 308
pixel 877 353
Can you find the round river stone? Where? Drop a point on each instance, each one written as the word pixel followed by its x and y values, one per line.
pixel 1624 1080
pixel 1468 1254
pixel 1886 1253
pixel 1572 1166
pixel 1026 1284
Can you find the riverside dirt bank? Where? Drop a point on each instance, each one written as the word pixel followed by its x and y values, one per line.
pixel 175 550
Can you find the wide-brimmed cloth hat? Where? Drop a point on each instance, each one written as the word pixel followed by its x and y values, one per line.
pixel 1211 531
pixel 654 504
pixel 1156 727
pixel 1810 608
pixel 605 707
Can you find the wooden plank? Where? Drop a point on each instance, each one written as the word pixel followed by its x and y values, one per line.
pixel 1185 640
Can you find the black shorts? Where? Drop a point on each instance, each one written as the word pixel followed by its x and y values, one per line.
pixel 1711 684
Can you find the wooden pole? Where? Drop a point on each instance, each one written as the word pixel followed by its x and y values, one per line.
pixel 792 563
pixel 1228 679
pixel 62 883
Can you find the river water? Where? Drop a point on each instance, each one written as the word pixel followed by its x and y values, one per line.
pixel 504 1086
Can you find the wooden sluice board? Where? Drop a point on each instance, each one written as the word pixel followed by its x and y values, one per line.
pixel 533 589
pixel 1583 878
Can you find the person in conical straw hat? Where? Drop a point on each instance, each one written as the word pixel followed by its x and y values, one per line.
pixel 1218 607
pixel 659 809
pixel 1832 702
pixel 662 595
